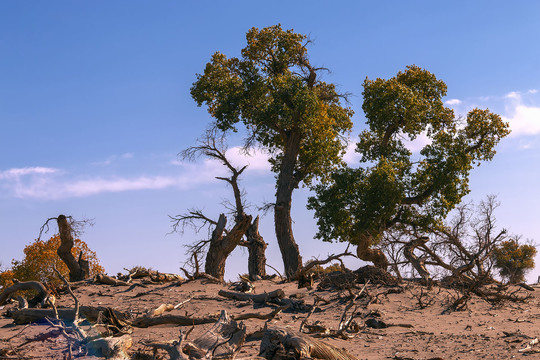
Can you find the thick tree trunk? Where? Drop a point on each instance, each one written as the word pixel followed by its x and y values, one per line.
pixel 375 256
pixel 292 260
pixel 221 246
pixel 78 269
pixel 257 249
pixel 408 252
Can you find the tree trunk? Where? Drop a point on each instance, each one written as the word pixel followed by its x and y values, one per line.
pixel 221 246
pixel 78 269
pixel 408 252
pixel 257 248
pixel 375 256
pixel 286 183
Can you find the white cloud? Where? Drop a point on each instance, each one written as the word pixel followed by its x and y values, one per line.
pixel 16 173
pixel 513 95
pixel 524 120
pixel 532 91
pixel 453 102
pixel 417 144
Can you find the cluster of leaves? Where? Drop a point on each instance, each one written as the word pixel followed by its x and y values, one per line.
pixel 274 91
pixel 513 260
pixel 393 187
pixel 40 258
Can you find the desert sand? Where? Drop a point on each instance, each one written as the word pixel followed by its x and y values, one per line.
pixel 420 323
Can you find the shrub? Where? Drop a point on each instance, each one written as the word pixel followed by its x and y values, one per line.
pixel 514 260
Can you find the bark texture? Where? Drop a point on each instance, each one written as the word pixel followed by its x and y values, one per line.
pixel 257 252
pixel 418 264
pixel 365 253
pixel 281 343
pixel 78 269
pixel 222 245
pixel 287 182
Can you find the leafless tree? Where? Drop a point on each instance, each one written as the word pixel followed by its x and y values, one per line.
pixel 222 239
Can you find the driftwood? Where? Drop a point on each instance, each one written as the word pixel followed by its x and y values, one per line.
pixel 44 297
pixel 90 313
pixel 256 298
pixel 221 341
pixel 108 280
pixel 280 343
pixel 113 348
pixel 147 321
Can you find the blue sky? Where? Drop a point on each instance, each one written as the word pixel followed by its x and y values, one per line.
pixel 95 106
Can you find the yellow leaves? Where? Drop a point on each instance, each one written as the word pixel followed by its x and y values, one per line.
pixel 40 257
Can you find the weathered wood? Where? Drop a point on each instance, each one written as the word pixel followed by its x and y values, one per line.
pixel 147 321
pixel 108 280
pixel 91 313
pixel 257 252
pixel 43 293
pixel 222 341
pixel 281 343
pixel 257 298
pixel 221 246
pixel 113 348
pixel 144 322
pixel 78 269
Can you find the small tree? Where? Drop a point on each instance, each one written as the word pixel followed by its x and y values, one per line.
pixel 40 257
pixel 514 260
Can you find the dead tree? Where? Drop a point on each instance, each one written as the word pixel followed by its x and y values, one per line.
pixel 79 269
pixel 257 251
pixel 222 240
pixel 462 248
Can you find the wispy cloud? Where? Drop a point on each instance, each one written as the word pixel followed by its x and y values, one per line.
pixel 51 184
pixel 113 158
pixel 17 173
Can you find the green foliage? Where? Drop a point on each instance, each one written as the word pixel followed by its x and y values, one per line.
pixel 395 186
pixel 274 91
pixel 514 260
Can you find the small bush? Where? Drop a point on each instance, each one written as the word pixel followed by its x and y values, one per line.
pixel 514 260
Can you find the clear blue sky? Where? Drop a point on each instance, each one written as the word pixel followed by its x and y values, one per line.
pixel 95 105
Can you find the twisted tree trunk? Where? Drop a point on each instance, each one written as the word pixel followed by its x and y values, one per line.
pixel 221 246
pixel 257 249
pixel 375 256
pixel 78 269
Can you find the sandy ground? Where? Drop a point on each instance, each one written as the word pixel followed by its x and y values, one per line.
pixel 479 332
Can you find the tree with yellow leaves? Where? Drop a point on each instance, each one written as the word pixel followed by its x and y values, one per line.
pixel 40 257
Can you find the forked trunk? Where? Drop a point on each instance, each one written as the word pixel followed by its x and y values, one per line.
pixel 292 260
pixel 221 246
pixel 78 269
pixel 257 248
pixel 375 256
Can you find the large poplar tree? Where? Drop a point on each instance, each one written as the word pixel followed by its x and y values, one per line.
pixel 275 92
pixel 394 187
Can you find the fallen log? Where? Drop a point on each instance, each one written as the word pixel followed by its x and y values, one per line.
pixel 43 293
pixel 280 343
pixel 114 348
pixel 256 298
pixel 221 341
pixel 180 320
pixel 90 313
pixel 144 322
pixel 108 280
